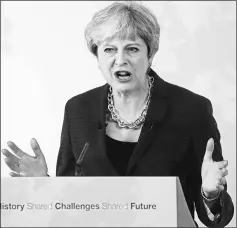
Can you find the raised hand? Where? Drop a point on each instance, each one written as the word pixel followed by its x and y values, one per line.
pixel 23 164
pixel 213 173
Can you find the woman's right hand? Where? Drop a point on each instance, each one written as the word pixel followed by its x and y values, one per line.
pixel 23 164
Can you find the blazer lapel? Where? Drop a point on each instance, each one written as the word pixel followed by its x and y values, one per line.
pixel 155 114
pixel 95 161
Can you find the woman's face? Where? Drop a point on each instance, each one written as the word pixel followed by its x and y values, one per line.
pixel 124 64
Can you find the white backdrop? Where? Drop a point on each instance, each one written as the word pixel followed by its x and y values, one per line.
pixel 45 61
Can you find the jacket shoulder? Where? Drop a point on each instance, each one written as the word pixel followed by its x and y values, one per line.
pixel 182 95
pixel 85 98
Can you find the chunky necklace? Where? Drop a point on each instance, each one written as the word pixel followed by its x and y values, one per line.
pixel 123 123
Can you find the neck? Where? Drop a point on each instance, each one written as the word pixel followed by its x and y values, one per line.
pixel 130 104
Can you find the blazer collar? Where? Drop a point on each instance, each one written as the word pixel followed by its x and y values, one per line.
pixel 155 114
pixel 158 103
pixel 101 104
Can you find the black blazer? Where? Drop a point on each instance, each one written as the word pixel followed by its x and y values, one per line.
pixel 172 142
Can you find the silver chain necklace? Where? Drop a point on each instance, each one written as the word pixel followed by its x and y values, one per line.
pixel 123 123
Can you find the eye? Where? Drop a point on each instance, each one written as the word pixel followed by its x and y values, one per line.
pixel 133 49
pixel 109 50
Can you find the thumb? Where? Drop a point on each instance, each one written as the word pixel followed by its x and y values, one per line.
pixel 209 150
pixel 36 148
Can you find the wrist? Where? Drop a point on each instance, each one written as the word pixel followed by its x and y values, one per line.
pixel 209 196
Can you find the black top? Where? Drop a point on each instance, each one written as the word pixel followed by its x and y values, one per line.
pixel 119 153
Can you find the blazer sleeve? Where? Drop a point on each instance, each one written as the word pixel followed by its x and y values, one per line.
pixel 206 127
pixel 66 160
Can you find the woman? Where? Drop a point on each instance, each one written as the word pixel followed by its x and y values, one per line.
pixel 137 124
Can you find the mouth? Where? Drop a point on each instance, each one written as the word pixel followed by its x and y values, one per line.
pixel 123 75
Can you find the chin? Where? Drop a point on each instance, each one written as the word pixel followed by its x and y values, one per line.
pixel 124 88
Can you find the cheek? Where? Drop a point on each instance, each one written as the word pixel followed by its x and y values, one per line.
pixel 142 64
pixel 102 63
pixel 105 65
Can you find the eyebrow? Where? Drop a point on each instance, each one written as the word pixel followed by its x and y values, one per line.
pixel 107 44
pixel 134 44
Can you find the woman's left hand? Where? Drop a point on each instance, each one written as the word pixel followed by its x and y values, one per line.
pixel 213 173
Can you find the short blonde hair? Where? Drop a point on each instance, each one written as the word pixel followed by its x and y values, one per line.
pixel 125 20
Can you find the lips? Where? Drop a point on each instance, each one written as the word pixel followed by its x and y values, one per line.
pixel 123 75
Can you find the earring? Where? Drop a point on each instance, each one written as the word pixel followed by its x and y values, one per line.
pixel 148 69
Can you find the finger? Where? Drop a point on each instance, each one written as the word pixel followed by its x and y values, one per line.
pixel 8 154
pixel 222 164
pixel 14 166
pixel 15 174
pixel 220 187
pixel 18 152
pixel 223 181
pixel 36 148
pixel 209 150
pixel 224 172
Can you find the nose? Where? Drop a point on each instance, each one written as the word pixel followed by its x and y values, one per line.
pixel 120 58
